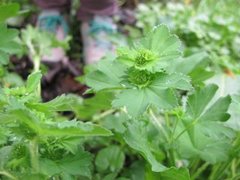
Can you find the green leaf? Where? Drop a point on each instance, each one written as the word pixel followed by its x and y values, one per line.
pixel 8 10
pixel 13 79
pixel 111 158
pixel 138 100
pixel 187 64
pixel 56 129
pixel 136 171
pixel 73 128
pixel 234 110
pixel 115 122
pixel 30 176
pixel 3 135
pixel 79 164
pixel 92 106
pixel 3 58
pixel 64 102
pixel 200 74
pixel 25 118
pixel 136 137
pixel 107 75
pixel 8 44
pixel 198 101
pixel 33 81
pixel 160 40
pixel 170 174
pixel 154 52
pixel 194 66
pixel 218 111
pixel 5 153
pixel 69 102
pixel 202 132
pixel 174 80
pixel 110 176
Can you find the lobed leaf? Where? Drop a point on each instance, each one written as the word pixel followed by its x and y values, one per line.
pixel 202 133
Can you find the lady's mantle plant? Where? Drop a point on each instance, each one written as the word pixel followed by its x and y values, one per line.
pixel 155 114
pixel 149 86
pixel 141 74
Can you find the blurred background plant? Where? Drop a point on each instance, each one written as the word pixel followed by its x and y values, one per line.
pixel 210 25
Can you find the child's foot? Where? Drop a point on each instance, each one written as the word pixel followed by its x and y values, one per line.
pixel 52 21
pixel 96 36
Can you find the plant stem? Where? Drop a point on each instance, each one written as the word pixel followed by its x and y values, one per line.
pixel 172 157
pixel 233 167
pixel 33 148
pixel 167 119
pixel 188 127
pixel 194 165
pixel 174 129
pixel 200 170
pixel 36 64
pixel 156 121
pixel 104 114
pixel 222 85
pixel 161 128
pixel 219 171
pixel 7 174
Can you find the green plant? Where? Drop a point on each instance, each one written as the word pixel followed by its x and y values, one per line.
pixel 35 141
pixel 162 117
pixel 152 117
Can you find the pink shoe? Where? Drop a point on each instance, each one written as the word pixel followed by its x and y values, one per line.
pixel 52 21
pixel 96 36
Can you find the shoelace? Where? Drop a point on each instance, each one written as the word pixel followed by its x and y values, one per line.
pixel 51 22
pixel 98 25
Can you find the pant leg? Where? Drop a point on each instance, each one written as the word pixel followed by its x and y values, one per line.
pixel 60 5
pixel 89 8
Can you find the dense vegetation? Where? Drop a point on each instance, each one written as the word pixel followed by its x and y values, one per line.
pixel 165 107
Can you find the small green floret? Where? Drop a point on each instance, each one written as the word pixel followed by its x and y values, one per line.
pixel 140 78
pixel 144 57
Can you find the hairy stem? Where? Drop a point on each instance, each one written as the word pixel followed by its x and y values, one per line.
pixel 194 165
pixel 7 174
pixel 33 148
pixel 170 152
pixel 36 64
pixel 102 115
pixel 233 167
pixel 219 171
pixel 200 170
pixel 157 122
